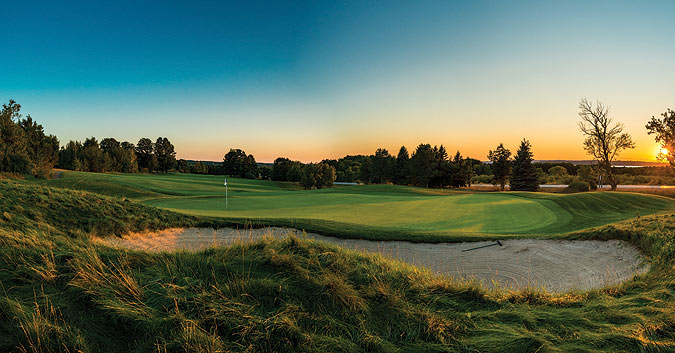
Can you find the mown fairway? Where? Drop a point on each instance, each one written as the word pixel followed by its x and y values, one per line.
pixel 383 207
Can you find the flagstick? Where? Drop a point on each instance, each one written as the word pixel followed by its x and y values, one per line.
pixel 225 193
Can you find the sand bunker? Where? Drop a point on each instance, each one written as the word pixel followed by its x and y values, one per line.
pixel 557 265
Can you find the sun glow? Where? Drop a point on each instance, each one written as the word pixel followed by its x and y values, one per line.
pixel 663 151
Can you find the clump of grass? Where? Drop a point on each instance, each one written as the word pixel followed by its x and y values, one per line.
pixel 39 327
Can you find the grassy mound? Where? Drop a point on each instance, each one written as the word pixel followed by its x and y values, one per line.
pixel 26 206
pixel 61 293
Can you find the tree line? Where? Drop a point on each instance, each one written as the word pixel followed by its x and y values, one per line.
pixel 24 146
pixel 26 149
pixel 310 175
pixel 111 155
pixel 427 166
pixel 236 163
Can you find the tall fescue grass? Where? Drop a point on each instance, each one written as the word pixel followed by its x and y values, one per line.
pixel 65 293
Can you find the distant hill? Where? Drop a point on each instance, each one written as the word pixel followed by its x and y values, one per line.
pixel 192 161
pixel 615 163
pixel 575 162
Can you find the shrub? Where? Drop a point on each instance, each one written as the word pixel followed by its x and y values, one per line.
pixel 558 171
pixel 317 175
pixel 577 186
pixel 482 179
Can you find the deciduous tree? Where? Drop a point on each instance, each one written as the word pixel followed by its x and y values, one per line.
pixel 604 138
pixel 317 175
pixel 664 133
pixel 165 153
pixel 182 166
pixel 280 168
pixel 501 165
pixel 237 163
pixel 144 152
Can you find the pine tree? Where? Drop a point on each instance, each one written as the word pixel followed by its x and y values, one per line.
pixel 422 164
pixel 524 173
pixel 440 173
pixel 402 167
pixel 383 166
pixel 458 177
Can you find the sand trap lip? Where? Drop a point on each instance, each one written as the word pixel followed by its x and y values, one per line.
pixel 556 265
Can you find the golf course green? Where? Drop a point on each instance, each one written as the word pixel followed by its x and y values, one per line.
pixel 373 208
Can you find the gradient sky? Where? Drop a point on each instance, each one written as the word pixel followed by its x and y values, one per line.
pixel 314 80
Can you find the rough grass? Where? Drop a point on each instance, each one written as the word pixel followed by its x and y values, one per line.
pixel 26 206
pixel 62 293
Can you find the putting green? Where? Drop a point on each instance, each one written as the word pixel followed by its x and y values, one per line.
pixel 380 206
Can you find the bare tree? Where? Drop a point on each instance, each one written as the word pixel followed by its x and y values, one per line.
pixel 604 139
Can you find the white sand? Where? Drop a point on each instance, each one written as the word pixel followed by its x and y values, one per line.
pixel 556 265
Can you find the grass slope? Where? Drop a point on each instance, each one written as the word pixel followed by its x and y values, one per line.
pixel 26 206
pixel 374 211
pixel 63 293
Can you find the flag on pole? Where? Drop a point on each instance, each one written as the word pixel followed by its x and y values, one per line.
pixel 225 181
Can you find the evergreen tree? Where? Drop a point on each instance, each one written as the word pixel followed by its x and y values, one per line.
pixel 70 156
pixel 459 171
pixel 402 167
pixel 442 168
pixel 501 165
pixel 42 150
pixel 382 170
pixel 524 172
pixel 24 147
pixel 13 156
pixel 423 163
pixel 92 156
pixel 365 170
pixel 441 153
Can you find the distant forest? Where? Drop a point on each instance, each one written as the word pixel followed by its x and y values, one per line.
pixel 428 166
pixel 26 149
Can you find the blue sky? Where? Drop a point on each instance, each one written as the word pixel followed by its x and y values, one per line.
pixel 313 80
